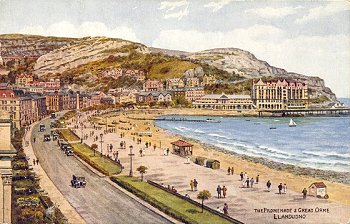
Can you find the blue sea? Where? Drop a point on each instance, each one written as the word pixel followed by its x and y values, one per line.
pixel 316 142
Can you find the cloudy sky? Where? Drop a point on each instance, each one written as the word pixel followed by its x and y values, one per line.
pixel 312 37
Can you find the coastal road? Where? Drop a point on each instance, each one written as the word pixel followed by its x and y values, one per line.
pixel 99 202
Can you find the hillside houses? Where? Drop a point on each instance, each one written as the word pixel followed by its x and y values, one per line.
pixel 115 73
pixel 153 85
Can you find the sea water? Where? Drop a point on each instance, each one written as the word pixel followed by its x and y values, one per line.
pixel 316 142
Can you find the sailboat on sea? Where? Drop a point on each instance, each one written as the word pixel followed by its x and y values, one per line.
pixel 292 123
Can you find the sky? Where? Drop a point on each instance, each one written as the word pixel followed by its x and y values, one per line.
pixel 307 37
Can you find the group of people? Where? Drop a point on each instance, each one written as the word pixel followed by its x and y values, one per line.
pixel 221 191
pixel 194 185
pixel 224 209
pixel 248 182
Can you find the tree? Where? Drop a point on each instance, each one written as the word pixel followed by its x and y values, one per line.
pixel 204 195
pixel 142 170
pixel 94 147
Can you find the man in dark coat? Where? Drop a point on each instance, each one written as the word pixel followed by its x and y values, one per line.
pixel 280 188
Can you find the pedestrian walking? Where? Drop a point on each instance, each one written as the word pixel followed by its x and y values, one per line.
pixel 251 182
pixel 241 175
pixel 232 170
pixel 195 184
pixel 229 170
pixel 280 188
pixel 34 139
pixel 34 162
pixel 191 185
pixel 37 161
pixel 285 189
pixel 167 151
pixel 224 190
pixel 268 185
pixel 304 193
pixel 257 179
pixel 154 147
pixel 225 209
pixel 218 190
pixel 247 182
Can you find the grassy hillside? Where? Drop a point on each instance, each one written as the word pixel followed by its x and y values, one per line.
pixel 170 69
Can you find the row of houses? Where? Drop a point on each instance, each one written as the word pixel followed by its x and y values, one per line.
pixel 178 83
pixel 115 73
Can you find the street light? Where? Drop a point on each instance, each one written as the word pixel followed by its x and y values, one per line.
pixel 131 155
pixel 82 135
pixel 101 141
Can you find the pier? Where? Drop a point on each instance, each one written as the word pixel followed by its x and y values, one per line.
pixel 330 112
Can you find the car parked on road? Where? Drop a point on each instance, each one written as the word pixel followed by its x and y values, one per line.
pixel 47 138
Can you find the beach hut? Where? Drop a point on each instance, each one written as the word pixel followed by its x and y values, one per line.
pixel 213 163
pixel 200 160
pixel 182 148
pixel 318 189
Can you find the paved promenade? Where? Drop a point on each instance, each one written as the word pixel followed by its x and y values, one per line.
pixel 175 171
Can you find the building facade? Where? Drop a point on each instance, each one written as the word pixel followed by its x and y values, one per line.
pixel 224 102
pixel 280 95
pixel 153 85
pixel 24 79
pixel 209 80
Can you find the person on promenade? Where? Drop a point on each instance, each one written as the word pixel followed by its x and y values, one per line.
pixel 257 179
pixel 243 183
pixel 285 189
pixel 247 182
pixel 280 188
pixel 225 209
pixel 245 176
pixel 218 209
pixel 218 190
pixel 34 162
pixel 37 161
pixel 224 190
pixel 304 193
pixel 229 170
pixel 154 147
pixel 141 152
pixel 232 170
pixel 268 184
pixel 241 175
pixel 251 182
pixel 34 139
pixel 167 151
pixel 195 184
pixel 191 185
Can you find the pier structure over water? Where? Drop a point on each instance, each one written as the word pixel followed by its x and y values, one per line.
pixel 331 112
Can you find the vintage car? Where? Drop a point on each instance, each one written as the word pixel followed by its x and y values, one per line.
pixel 78 181
pixel 47 138
pixel 64 145
pixel 42 128
pixel 68 151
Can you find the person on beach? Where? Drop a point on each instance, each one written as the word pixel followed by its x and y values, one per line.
pixel 229 170
pixel 232 170
pixel 247 182
pixel 241 175
pixel 224 190
pixel 218 190
pixel 225 209
pixel 251 182
pixel 304 193
pixel 191 185
pixel 195 184
pixel 280 188
pixel 268 184
pixel 285 189
pixel 257 179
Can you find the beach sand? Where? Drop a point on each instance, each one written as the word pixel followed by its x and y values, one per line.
pixel 173 170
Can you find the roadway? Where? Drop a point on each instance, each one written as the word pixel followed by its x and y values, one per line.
pixel 99 202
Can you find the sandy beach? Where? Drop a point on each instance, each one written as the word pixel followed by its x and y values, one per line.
pixel 244 203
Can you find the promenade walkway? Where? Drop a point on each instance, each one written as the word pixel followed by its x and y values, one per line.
pixel 175 171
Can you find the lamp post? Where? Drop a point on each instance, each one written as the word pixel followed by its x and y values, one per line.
pixel 106 124
pixel 101 141
pixel 82 134
pixel 131 155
